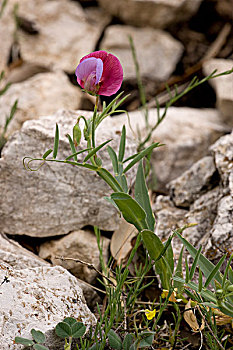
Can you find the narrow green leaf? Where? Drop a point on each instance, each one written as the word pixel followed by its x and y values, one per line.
pixel 109 179
pixel 230 275
pixel 47 153
pixel 169 254
pixel 187 279
pixel 200 281
pixel 24 341
pixel 114 340
pixel 109 199
pixel 141 155
pixel 226 309
pixel 38 336
pixel 195 262
pixel 76 153
pixel 40 347
pixel 63 330
pixel 73 149
pixel 123 182
pixel 95 150
pixel 107 109
pixel 131 157
pixel 130 209
pixel 10 117
pixel 179 273
pixel 78 330
pixel 214 271
pixel 128 341
pixel 142 197
pixel 226 271
pixel 113 156
pixel 122 145
pixel 4 90
pixel 205 265
pixel 56 142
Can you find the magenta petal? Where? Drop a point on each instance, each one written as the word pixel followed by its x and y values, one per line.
pixel 112 76
pixel 97 54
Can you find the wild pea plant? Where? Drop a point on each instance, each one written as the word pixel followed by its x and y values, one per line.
pixel 100 73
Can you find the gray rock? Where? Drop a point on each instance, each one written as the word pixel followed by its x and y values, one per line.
pixel 223 87
pixel 157 51
pixel 223 154
pixel 38 298
pixel 187 134
pixel 58 198
pixel 66 33
pixel 80 245
pixel 193 182
pixel 154 13
pixel 203 212
pixel 16 256
pixel 40 95
pixel 168 219
pixel 220 240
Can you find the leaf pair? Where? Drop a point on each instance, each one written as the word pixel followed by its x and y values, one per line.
pixel 145 340
pixel 69 327
pixel 38 339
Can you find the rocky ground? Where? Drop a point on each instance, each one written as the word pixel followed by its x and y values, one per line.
pixel 52 212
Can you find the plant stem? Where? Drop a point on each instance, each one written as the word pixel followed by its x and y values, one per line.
pixel 93 121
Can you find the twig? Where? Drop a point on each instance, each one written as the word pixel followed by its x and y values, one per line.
pixel 90 266
pixel 90 285
pixel 220 345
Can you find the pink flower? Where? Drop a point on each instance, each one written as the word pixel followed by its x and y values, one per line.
pixel 100 73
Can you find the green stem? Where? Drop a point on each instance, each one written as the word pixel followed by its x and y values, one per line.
pixel 93 121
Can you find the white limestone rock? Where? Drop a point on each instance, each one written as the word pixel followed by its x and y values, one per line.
pixel 153 13
pixel 66 33
pixel 15 255
pixel 80 245
pixel 58 198
pixel 43 94
pixel 38 298
pixel 223 86
pixel 157 51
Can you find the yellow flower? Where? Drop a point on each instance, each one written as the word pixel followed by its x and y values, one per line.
pixel 150 314
pixel 172 296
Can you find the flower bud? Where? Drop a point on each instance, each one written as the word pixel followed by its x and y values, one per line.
pixel 77 134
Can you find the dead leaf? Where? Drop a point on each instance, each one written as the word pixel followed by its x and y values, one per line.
pixel 191 319
pixel 120 245
pixel 221 319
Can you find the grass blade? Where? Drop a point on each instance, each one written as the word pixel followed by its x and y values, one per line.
pixel 56 142
pixel 122 145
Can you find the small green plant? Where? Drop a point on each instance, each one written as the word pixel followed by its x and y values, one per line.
pixel 38 339
pixel 144 340
pixel 70 329
pixel 222 296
